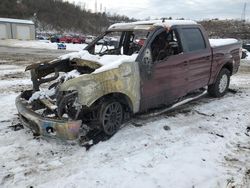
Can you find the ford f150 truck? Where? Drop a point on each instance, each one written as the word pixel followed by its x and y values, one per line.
pixel 101 86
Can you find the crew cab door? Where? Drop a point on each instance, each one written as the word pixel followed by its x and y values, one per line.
pixel 163 70
pixel 199 56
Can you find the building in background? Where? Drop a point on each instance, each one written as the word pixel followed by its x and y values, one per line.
pixel 17 29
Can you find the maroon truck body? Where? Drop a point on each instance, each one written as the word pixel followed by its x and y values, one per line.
pixel 175 61
pixel 178 75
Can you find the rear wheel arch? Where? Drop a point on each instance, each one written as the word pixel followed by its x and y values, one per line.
pixel 229 66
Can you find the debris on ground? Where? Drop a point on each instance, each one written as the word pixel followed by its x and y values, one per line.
pixel 166 128
pixel 16 125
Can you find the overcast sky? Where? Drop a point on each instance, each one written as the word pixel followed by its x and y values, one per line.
pixel 192 9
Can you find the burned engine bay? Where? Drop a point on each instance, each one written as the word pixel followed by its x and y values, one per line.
pixel 47 78
pixel 45 99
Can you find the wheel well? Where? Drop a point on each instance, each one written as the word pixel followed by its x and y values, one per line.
pixel 229 66
pixel 120 97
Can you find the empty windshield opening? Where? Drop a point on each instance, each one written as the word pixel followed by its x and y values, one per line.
pixel 119 43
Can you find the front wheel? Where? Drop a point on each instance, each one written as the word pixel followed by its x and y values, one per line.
pixel 220 87
pixel 111 117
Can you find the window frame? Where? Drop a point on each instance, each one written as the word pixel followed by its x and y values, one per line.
pixel 174 32
pixel 185 46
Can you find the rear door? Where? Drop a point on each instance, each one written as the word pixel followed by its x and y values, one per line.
pixel 198 50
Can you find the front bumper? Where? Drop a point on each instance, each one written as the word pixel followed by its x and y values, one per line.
pixel 51 127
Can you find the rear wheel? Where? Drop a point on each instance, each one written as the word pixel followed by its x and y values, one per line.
pixel 111 117
pixel 220 87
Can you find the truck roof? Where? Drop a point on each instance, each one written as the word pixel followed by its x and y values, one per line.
pixel 148 24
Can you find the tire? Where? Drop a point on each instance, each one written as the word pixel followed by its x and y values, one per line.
pixel 220 87
pixel 111 117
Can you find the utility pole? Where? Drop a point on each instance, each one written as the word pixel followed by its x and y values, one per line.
pixel 243 15
pixel 243 20
pixel 95 6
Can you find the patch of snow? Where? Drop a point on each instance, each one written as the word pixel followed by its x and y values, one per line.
pixel 222 42
pixel 40 44
pixel 83 54
pixel 111 62
pixel 7 106
pixel 43 93
pixel 107 61
pixel 53 107
pixel 47 93
pixel 248 55
pixel 16 21
pixel 7 69
pixel 9 83
pixel 70 75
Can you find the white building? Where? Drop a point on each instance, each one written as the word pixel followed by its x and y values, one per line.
pixel 17 29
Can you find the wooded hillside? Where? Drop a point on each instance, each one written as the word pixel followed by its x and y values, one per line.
pixel 65 17
pixel 58 15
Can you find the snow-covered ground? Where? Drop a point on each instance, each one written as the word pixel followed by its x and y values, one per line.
pixel 206 143
pixel 248 55
pixel 40 44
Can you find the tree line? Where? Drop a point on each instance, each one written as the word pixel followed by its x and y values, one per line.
pixel 62 17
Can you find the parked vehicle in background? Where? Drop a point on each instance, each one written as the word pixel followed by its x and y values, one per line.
pixel 41 37
pixel 102 87
pixel 66 39
pixel 140 41
pixel 55 38
pixel 78 40
pixel 61 46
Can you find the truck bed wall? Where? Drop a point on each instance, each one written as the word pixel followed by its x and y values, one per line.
pixel 225 55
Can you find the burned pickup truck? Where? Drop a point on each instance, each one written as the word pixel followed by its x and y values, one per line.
pixel 148 65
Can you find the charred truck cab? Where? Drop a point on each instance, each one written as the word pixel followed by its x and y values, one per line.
pixel 130 69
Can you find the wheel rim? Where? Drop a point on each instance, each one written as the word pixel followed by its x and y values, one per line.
pixel 223 83
pixel 112 118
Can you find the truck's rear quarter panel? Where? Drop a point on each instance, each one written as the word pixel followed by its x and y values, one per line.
pixel 226 55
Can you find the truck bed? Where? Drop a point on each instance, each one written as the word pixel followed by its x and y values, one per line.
pixel 225 51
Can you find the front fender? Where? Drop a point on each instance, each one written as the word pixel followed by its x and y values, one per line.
pixel 125 79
